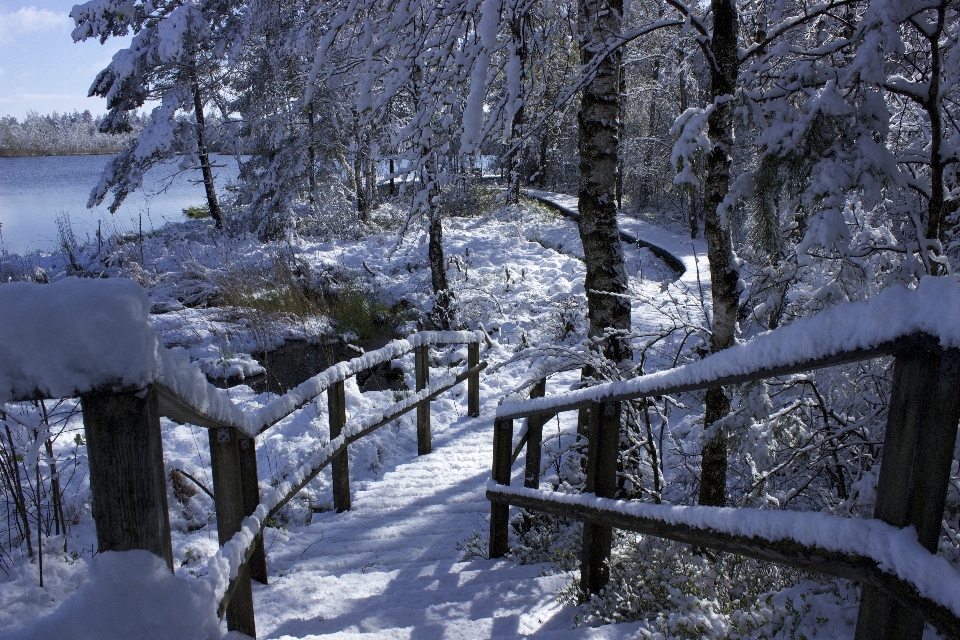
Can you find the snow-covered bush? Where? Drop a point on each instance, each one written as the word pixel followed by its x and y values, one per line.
pixel 681 593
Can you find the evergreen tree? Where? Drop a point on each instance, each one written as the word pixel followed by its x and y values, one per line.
pixel 176 57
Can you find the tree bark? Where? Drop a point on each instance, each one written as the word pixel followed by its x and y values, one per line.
pixel 935 209
pixel 362 205
pixel 312 156
pixel 205 168
pixel 371 173
pixel 518 28
pixel 599 129
pixel 442 307
pixel 438 274
pixel 724 274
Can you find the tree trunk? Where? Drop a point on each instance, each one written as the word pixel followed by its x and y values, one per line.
pixel 312 157
pixel 371 174
pixel 438 275
pixel 211 189
pixel 442 310
pixel 724 273
pixel 542 163
pixel 518 28
pixel 362 206
pixel 622 89
pixel 935 208
pixel 599 131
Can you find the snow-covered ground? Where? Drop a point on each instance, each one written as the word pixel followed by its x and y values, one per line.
pixel 407 560
pixel 391 564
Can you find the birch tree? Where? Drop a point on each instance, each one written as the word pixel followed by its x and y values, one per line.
pixel 733 58
pixel 600 23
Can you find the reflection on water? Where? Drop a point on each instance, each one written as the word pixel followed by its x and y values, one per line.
pixel 34 191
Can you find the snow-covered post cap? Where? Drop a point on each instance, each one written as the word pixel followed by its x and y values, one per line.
pixel 67 338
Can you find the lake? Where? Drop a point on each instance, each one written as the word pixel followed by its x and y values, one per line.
pixel 35 191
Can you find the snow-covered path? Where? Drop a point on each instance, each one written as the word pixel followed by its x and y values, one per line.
pixel 691 253
pixel 389 568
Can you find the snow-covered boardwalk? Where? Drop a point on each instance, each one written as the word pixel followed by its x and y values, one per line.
pixel 408 560
pixel 389 567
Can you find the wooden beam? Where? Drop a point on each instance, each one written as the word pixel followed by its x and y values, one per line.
pixel 337 404
pixel 846 357
pixel 250 483
pixel 228 489
pixel 127 478
pixel 534 436
pixel 422 365
pixel 914 472
pixel 473 382
pixel 500 513
pixel 783 552
pixel 603 433
pixel 174 407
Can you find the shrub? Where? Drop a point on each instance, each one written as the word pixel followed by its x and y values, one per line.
pixel 197 212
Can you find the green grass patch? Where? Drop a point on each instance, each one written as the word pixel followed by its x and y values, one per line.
pixel 198 212
pixel 357 310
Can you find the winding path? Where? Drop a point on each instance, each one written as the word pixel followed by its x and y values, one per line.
pixel 390 567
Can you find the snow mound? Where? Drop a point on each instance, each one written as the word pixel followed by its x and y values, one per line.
pixel 240 367
pixel 131 595
pixel 73 336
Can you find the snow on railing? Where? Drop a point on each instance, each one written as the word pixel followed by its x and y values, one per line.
pixel 94 339
pixel 895 551
pixel 63 339
pixel 189 383
pixel 933 308
pixel 77 335
pixel 224 566
pixel 893 556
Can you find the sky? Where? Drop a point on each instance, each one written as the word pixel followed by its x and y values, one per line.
pixel 41 68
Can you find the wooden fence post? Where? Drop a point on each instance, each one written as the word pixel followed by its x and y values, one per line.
pixel 340 465
pixel 603 432
pixel 531 478
pixel 422 360
pixel 229 492
pixel 914 471
pixel 473 382
pixel 500 513
pixel 127 477
pixel 250 481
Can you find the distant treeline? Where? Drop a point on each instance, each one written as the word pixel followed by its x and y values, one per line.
pixel 62 134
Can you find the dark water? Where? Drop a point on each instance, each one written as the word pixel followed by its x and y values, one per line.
pixel 298 360
pixel 34 191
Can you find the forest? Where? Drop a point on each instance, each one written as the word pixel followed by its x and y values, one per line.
pixel 61 134
pixel 806 152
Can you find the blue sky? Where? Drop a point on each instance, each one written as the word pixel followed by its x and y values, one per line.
pixel 41 68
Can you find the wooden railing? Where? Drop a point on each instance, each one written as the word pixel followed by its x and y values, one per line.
pixel 127 477
pixel 924 412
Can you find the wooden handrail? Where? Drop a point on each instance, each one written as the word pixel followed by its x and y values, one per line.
pixel 608 392
pixel 402 408
pixel 181 394
pixel 924 413
pixel 789 553
pixel 178 409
